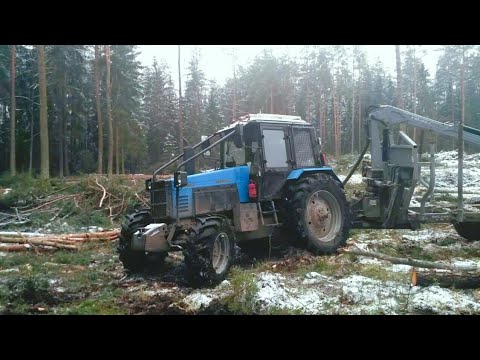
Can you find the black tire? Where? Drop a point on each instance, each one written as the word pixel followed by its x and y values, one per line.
pixel 210 251
pixel 468 230
pixel 137 261
pixel 331 213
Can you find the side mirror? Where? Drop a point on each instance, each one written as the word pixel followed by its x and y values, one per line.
pixel 206 153
pixel 238 136
pixel 180 179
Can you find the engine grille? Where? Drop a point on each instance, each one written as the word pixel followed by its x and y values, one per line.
pixel 159 200
pixel 303 148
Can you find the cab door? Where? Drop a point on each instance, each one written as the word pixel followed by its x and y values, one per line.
pixel 277 160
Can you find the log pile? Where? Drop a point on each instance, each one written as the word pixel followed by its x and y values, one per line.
pixel 12 242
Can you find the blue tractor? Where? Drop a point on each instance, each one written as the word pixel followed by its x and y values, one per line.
pixel 270 177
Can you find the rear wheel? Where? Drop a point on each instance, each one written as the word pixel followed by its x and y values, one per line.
pixel 468 230
pixel 321 213
pixel 133 260
pixel 210 251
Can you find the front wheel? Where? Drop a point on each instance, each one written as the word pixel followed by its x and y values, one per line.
pixel 133 260
pixel 210 252
pixel 321 213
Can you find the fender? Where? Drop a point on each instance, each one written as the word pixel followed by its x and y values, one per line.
pixel 298 173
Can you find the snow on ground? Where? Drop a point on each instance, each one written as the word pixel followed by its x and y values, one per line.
pixel 315 293
pixel 442 301
pixel 354 180
pixel 446 175
pixel 276 292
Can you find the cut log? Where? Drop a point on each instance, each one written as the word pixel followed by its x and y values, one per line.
pixel 411 262
pixel 38 242
pixel 466 280
pixel 14 248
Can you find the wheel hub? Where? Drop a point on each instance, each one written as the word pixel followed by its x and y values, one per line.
pixel 323 215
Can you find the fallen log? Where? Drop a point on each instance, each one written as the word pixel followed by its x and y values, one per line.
pixel 411 262
pixel 466 280
pixel 38 242
pixel 14 248
pixel 99 239
pixel 18 248
pixel 58 240
pixel 98 235
pixel 21 234
pixel 28 240
pixel 93 235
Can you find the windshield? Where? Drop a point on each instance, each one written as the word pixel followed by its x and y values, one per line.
pixel 233 155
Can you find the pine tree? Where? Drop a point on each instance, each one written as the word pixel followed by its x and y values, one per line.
pixel 44 150
pixel 13 110
pixel 99 111
pixel 194 100
pixel 109 113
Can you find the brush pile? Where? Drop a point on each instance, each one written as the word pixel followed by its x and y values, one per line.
pixel 90 197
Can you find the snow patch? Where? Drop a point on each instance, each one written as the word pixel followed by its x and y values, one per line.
pixel 354 180
pixel 314 278
pixel 373 295
pixel 464 263
pixel 442 301
pixel 198 301
pixel 426 235
pixel 370 261
pixel 400 268
pixel 273 292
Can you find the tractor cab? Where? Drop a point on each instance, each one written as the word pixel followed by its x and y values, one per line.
pixel 272 146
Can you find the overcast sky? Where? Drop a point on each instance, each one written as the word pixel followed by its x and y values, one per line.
pixel 218 65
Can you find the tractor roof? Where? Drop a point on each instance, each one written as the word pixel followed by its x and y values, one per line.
pixel 266 118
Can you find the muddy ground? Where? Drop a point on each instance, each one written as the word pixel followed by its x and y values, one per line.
pixel 93 281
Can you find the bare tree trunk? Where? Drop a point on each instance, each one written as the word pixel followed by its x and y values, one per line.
pixel 271 99
pixel 109 113
pixel 180 123
pixel 99 112
pixel 42 79
pixel 122 154
pixel 414 91
pixel 13 168
pixel 4 154
pixel 61 127
pixel 399 83
pixel 359 124
pixel 452 107
pixel 30 162
pixel 353 104
pixel 234 109
pixel 117 154
pixel 399 78
pixel 66 164
pixel 337 128
pixel 460 139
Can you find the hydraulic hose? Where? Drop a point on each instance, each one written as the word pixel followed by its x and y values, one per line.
pixel 359 160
